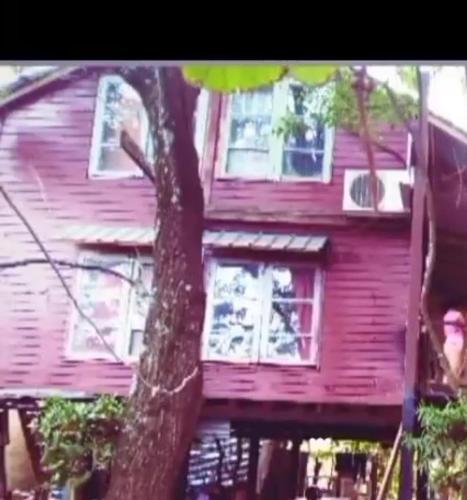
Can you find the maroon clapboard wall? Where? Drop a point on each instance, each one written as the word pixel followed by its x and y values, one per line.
pixel 44 156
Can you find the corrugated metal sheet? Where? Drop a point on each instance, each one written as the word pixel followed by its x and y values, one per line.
pixel 224 239
pixel 108 234
pixel 264 241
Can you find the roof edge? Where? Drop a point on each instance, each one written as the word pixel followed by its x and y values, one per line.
pixel 36 85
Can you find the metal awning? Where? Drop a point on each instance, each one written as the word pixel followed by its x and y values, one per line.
pixel 118 235
pixel 255 240
pixel 264 241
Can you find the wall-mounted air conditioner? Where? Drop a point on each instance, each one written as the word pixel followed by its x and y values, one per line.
pixel 392 187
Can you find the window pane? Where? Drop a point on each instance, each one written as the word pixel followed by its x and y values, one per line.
pixel 246 163
pixel 141 299
pixel 285 347
pixel 123 110
pixel 289 330
pixel 102 297
pixel 304 148
pixel 114 159
pixel 250 133
pixel 292 282
pixel 291 318
pixel 290 321
pixel 236 309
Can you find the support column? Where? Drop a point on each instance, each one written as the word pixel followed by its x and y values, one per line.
pixel 182 483
pixel 253 468
pixel 4 440
pixel 406 483
pixel 422 485
pixel 294 468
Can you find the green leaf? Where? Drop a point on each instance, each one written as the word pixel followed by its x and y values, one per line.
pixel 313 74
pixel 233 77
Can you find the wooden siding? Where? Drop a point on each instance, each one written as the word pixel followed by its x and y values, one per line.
pixel 362 339
pixel 44 153
pixel 289 201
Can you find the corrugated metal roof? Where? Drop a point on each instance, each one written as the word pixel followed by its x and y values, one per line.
pixel 265 241
pixel 109 234
pixel 224 239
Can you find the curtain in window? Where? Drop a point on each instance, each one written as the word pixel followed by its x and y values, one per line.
pixel 303 289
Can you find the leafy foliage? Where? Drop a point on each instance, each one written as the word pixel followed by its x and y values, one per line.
pixel 332 102
pixel 238 77
pixel 336 106
pixel 313 74
pixel 442 444
pixel 77 437
pixel 233 77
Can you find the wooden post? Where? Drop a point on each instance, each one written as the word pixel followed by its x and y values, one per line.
pixel 374 477
pixel 4 440
pixel 422 484
pixel 181 487
pixel 253 468
pixel 390 466
pixel 294 468
pixel 415 289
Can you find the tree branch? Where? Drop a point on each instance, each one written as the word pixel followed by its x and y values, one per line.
pixel 57 272
pixel 69 293
pixel 398 109
pixel 382 147
pixel 65 263
pixel 134 152
pixel 361 90
pixel 423 148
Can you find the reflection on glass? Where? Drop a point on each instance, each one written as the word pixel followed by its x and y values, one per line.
pixel 236 307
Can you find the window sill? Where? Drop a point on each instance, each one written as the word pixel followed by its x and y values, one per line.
pixel 115 176
pixel 99 358
pixel 277 363
pixel 272 180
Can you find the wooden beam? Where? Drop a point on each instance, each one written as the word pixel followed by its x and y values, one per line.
pixel 390 466
pixel 253 468
pixel 294 467
pixel 4 439
pixel 137 155
pixel 415 291
pixel 32 446
pixel 422 484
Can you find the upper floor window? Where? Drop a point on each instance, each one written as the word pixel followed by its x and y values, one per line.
pixel 118 108
pixel 261 312
pixel 116 308
pixel 254 149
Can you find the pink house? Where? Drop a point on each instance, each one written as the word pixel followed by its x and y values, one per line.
pixel 307 287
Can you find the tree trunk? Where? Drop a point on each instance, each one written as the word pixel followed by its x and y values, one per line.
pixel 164 407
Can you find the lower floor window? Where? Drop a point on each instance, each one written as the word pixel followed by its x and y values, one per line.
pixel 262 312
pixel 117 308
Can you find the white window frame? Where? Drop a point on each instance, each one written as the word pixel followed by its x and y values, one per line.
pixel 259 344
pixel 122 342
pixel 279 106
pixel 201 122
pixel 96 144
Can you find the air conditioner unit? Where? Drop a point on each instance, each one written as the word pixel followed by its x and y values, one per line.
pixel 359 191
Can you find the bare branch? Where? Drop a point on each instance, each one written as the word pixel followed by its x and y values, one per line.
pixel 177 389
pixel 382 147
pixel 65 263
pixel 423 148
pixel 67 289
pixel 362 90
pixel 134 152
pixel 56 270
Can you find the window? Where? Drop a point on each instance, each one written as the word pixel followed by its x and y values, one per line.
pixel 117 309
pixel 253 149
pixel 262 312
pixel 118 108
